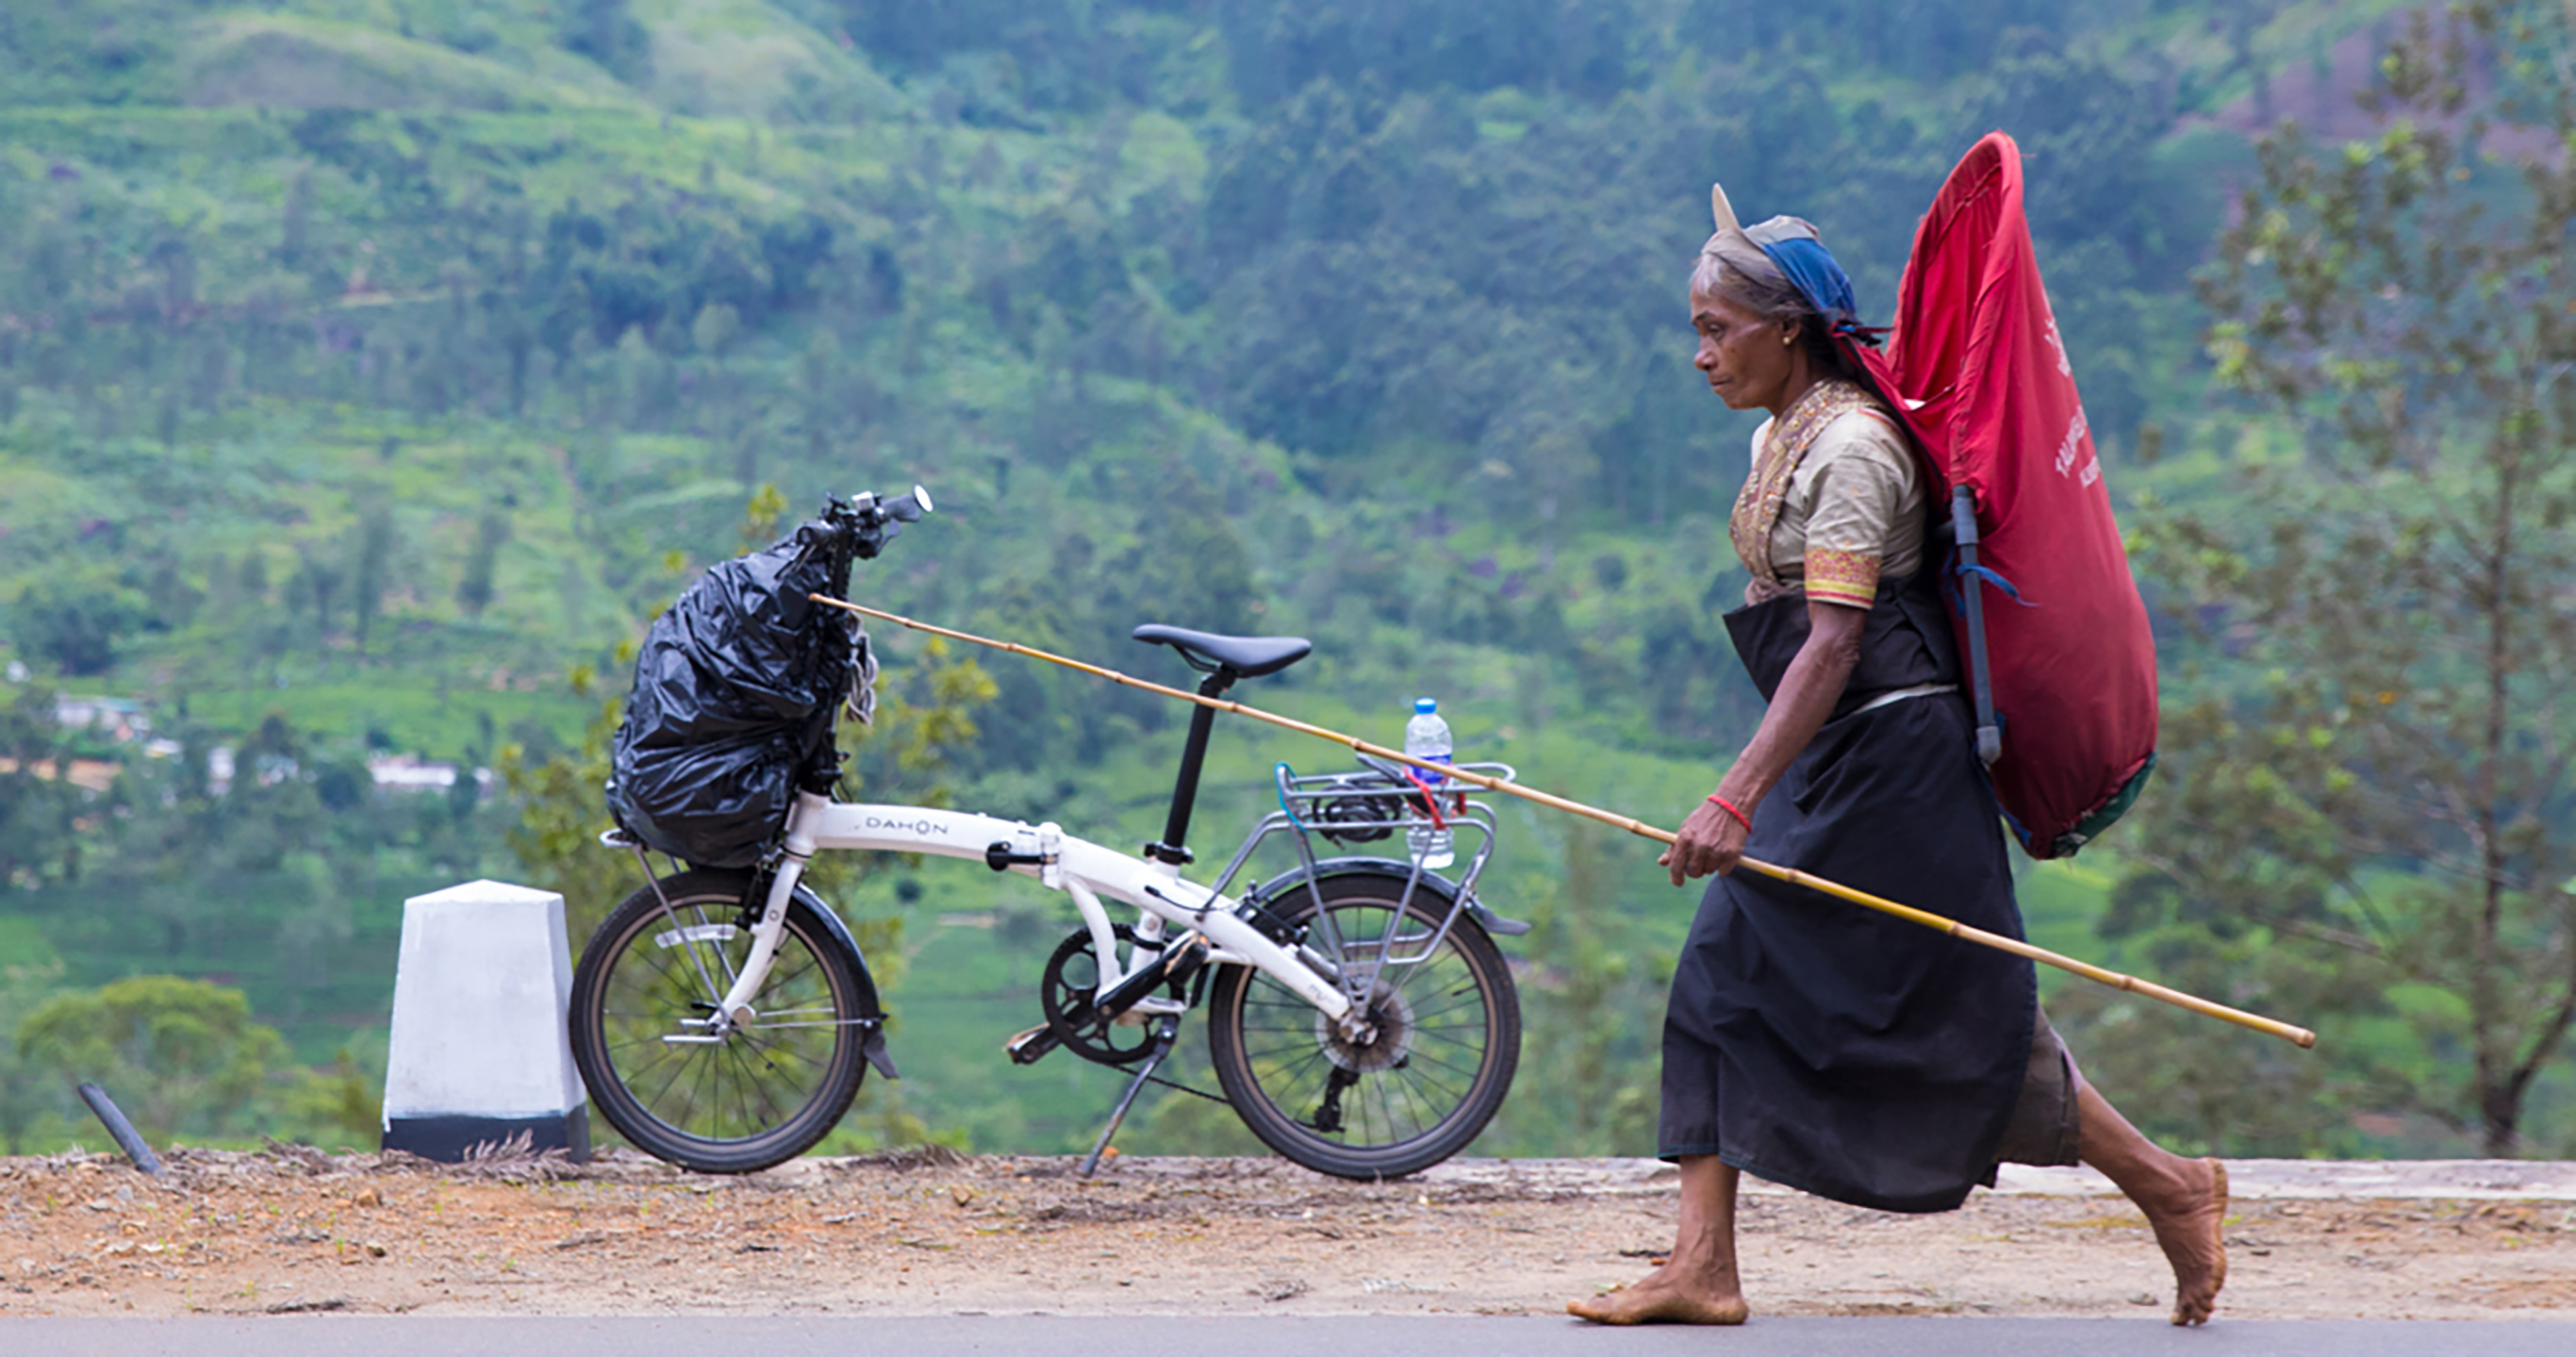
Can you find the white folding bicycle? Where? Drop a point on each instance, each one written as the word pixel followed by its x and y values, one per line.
pixel 1361 1020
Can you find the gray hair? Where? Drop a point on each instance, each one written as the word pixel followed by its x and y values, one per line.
pixel 1765 292
pixel 1735 266
pixel 1768 293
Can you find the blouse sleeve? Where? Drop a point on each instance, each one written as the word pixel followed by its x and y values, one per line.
pixel 1857 498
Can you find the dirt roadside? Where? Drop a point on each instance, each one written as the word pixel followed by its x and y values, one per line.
pixel 930 1232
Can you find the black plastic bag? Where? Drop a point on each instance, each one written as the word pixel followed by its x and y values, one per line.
pixel 732 708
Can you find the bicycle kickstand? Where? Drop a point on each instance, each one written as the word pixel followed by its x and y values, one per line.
pixel 1166 1030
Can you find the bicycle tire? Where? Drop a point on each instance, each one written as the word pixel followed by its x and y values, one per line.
pixel 754 1098
pixel 1273 1051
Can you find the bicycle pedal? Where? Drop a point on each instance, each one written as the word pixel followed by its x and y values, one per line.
pixel 1031 1046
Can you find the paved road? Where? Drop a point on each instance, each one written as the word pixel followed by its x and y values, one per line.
pixel 1354 1336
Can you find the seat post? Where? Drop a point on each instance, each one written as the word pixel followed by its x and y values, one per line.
pixel 1185 791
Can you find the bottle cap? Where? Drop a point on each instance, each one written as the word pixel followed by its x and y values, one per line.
pixel 1424 706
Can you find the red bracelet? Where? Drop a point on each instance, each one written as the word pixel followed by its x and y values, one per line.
pixel 1729 807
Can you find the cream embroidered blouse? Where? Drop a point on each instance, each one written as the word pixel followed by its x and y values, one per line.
pixel 1853 511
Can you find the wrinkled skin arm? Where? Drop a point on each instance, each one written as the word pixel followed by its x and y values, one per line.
pixel 1711 840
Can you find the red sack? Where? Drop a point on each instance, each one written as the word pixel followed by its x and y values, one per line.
pixel 2056 639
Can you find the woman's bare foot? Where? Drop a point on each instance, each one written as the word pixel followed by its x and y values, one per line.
pixel 2185 1201
pixel 1697 1282
pixel 2192 1231
pixel 1664 1298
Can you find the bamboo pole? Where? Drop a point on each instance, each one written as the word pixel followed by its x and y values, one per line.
pixel 2298 1036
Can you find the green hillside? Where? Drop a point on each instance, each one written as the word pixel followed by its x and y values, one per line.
pixel 369 366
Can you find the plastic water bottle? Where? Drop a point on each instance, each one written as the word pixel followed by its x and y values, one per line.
pixel 1426 737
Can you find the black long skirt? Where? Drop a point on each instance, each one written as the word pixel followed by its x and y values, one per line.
pixel 1829 1047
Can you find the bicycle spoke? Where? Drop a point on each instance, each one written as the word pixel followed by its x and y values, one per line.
pixel 1430 996
pixel 1466 1035
pixel 777 1050
pixel 1389 1113
pixel 1420 1014
pixel 752 1086
pixel 698 1090
pixel 1417 1111
pixel 724 958
pixel 1468 1074
pixel 680 1066
pixel 766 1051
pixel 1282 1050
pixel 1414 1076
pixel 662 1055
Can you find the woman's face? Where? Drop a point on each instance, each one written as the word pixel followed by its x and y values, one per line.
pixel 1747 359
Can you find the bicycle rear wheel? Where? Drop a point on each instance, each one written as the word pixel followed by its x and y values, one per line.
pixel 1446 1038
pixel 755 1096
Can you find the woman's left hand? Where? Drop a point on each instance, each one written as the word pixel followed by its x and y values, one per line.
pixel 1710 841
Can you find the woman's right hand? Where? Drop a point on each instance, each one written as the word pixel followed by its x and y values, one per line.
pixel 1713 840
pixel 1710 841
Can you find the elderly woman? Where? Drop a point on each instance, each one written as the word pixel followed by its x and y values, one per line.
pixel 1829 1048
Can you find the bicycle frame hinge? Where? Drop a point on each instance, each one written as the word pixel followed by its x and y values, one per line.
pixel 999 857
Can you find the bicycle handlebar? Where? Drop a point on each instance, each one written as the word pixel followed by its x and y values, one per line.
pixel 868 521
pixel 859 527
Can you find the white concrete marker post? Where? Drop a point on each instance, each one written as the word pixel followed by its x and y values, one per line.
pixel 479 1052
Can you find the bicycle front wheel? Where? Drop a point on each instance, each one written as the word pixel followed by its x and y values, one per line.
pixel 1415 1083
pixel 751 1097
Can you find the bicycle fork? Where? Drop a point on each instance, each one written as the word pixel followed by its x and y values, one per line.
pixel 735 1009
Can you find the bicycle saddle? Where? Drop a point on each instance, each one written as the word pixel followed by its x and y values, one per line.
pixel 1247 656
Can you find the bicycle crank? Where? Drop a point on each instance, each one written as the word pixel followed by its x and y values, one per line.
pixel 1073 1018
pixel 1180 960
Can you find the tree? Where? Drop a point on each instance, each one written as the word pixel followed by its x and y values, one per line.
pixel 76 625
pixel 369 574
pixel 491 533
pixel 2367 806
pixel 295 218
pixel 606 32
pixel 179 1055
pixel 318 583
pixel 37 804
pixel 25 1092
pixel 1195 574
pixel 1594 1004
pixel 561 813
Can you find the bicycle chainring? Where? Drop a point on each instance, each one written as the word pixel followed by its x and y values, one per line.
pixel 1065 993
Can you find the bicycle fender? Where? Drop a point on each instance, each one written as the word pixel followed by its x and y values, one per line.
pixel 1326 868
pixel 872 1046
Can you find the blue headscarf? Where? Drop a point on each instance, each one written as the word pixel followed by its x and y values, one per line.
pixel 1812 270
pixel 1788 249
